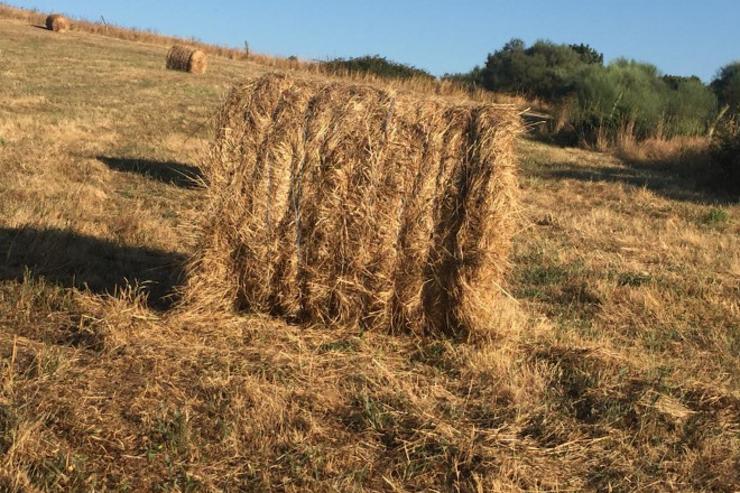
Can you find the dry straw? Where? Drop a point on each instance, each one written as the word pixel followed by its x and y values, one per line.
pixel 187 59
pixel 57 23
pixel 339 203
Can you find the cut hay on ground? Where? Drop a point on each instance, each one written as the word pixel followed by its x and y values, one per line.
pixel 57 23
pixel 337 203
pixel 187 59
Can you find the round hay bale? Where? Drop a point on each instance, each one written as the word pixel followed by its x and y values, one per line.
pixel 57 23
pixel 340 203
pixel 187 59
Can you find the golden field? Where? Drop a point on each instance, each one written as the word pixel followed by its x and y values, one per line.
pixel 614 366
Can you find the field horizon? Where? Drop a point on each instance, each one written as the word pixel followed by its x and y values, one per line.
pixel 613 366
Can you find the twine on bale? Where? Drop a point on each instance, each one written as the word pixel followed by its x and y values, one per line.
pixel 340 203
pixel 187 59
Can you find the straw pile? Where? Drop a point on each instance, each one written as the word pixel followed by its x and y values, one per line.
pixel 337 203
pixel 57 23
pixel 187 59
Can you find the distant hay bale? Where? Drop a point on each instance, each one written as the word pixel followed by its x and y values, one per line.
pixel 339 203
pixel 57 23
pixel 187 59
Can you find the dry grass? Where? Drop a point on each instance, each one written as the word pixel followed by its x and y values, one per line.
pixel 422 85
pixel 187 59
pixel 655 149
pixel 616 368
pixel 57 23
pixel 340 203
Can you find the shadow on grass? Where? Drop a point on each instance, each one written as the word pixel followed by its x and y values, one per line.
pixel 70 259
pixel 692 177
pixel 174 173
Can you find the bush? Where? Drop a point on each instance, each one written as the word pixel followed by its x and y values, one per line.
pixel 622 97
pixel 625 99
pixel 690 106
pixel 727 87
pixel 376 65
pixel 726 154
pixel 632 99
pixel 472 79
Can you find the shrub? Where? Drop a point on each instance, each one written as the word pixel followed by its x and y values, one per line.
pixel 690 106
pixel 376 65
pixel 623 100
pixel 632 99
pixel 726 154
pixel 472 79
pixel 727 87
pixel 623 97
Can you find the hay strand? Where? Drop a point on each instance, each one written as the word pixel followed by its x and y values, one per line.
pixel 187 59
pixel 57 23
pixel 339 203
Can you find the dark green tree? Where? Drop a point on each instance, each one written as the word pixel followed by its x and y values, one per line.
pixel 545 70
pixel 588 54
pixel 727 86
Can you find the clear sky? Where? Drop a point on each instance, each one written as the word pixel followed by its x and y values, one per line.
pixel 682 37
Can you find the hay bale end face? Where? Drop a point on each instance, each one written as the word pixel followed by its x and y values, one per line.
pixel 339 203
pixel 57 23
pixel 187 59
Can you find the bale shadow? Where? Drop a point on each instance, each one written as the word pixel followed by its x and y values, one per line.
pixel 171 172
pixel 545 136
pixel 690 179
pixel 69 259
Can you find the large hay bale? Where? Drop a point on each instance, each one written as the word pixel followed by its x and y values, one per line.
pixel 343 203
pixel 187 59
pixel 57 23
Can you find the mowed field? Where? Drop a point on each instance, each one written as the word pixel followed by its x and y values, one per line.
pixel 614 366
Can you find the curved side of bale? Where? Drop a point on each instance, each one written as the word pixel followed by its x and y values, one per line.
pixel 57 23
pixel 186 59
pixel 348 204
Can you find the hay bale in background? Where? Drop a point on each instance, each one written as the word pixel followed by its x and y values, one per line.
pixel 343 203
pixel 57 23
pixel 187 59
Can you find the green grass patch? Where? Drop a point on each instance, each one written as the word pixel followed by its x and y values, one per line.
pixel 716 217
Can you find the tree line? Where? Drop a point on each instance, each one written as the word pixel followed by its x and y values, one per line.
pixel 592 99
pixel 595 100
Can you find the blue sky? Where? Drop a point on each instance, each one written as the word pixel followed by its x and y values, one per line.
pixel 681 37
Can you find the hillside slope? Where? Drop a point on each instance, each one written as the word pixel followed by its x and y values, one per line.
pixel 616 364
